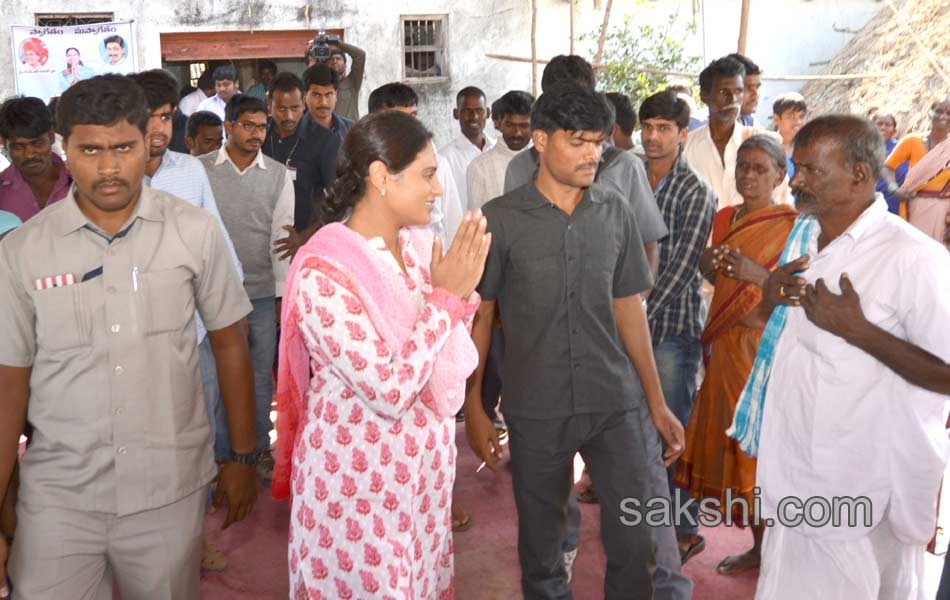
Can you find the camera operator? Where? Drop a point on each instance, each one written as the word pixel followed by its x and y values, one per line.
pixel 330 50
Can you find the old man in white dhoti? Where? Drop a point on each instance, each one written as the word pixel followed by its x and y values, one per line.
pixel 840 430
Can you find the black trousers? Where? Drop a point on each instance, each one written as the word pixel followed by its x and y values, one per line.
pixel 623 457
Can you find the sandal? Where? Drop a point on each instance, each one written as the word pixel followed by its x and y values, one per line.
pixel 740 563
pixel 213 559
pixel 588 496
pixel 461 521
pixel 695 547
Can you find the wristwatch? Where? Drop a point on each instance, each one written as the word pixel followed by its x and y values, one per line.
pixel 250 458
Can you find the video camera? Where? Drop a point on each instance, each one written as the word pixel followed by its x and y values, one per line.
pixel 320 46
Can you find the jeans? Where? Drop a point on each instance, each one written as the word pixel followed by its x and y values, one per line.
pixel 213 403
pixel 677 362
pixel 262 338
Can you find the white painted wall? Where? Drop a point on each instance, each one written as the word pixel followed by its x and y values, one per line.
pixel 474 29
pixel 785 35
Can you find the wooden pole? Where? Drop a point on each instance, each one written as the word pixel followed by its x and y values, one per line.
pixel 843 77
pixel 744 26
pixel 603 32
pixel 534 48
pixel 920 44
pixel 572 26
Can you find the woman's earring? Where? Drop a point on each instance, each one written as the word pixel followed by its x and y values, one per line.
pixel 382 192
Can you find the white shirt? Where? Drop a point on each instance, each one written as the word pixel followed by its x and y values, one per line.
pixel 214 104
pixel 485 179
pixel 447 212
pixel 838 423
pixel 283 214
pixel 720 173
pixel 189 104
pixel 459 153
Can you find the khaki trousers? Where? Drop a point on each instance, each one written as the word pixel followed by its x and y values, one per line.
pixel 63 553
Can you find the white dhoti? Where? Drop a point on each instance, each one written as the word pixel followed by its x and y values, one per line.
pixel 877 566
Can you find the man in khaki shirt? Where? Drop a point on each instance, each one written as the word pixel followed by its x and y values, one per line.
pixel 98 352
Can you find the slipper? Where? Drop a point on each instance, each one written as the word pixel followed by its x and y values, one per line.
pixel 731 565
pixel 588 496
pixel 462 522
pixel 695 548
pixel 213 559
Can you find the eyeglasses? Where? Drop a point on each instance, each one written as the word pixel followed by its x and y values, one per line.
pixel 251 127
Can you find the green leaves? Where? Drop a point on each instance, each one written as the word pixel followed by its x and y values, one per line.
pixel 637 43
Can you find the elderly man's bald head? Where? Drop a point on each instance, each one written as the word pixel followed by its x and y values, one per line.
pixel 858 140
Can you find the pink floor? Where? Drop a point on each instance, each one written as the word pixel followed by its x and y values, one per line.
pixel 486 560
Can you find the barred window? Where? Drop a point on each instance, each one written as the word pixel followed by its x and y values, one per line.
pixel 424 46
pixel 195 71
pixel 65 20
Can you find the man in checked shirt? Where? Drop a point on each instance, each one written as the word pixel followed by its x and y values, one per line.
pixel 675 309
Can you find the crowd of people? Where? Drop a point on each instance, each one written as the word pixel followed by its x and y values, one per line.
pixel 722 319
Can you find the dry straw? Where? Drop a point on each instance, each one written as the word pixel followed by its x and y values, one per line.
pixel 901 41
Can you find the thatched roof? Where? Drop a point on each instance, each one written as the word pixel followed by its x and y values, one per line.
pixel 884 46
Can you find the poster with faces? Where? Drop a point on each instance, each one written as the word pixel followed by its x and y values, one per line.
pixel 47 61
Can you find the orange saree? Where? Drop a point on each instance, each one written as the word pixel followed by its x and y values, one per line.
pixel 713 462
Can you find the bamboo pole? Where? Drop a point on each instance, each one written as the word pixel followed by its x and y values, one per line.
pixel 843 77
pixel 927 52
pixel 603 32
pixel 534 48
pixel 572 27
pixel 744 26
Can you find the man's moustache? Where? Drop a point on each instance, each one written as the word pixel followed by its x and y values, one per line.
pixel 103 182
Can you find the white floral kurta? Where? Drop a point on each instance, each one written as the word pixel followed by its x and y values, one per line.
pixel 373 467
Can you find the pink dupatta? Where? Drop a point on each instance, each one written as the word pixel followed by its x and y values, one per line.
pixel 344 255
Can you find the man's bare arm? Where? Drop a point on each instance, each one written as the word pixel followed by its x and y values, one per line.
pixel 479 429
pixel 237 484
pixel 236 380
pixel 15 383
pixel 631 318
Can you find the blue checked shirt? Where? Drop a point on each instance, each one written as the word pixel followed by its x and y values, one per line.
pixel 183 176
pixel 688 206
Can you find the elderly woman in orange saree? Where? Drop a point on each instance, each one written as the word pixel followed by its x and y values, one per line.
pixel 925 195
pixel 747 242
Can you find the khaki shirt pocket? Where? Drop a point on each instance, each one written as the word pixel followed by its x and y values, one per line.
pixel 61 322
pixel 169 300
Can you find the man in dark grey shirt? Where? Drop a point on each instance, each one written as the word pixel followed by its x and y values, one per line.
pixel 620 171
pixel 566 269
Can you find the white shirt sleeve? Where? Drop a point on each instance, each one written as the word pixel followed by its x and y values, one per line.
pixel 451 203
pixel 924 300
pixel 283 216
pixel 475 181
pixel 436 218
